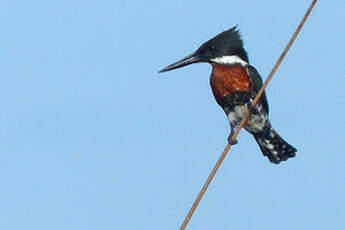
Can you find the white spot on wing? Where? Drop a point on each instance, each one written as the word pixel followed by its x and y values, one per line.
pixel 272 134
pixel 270 146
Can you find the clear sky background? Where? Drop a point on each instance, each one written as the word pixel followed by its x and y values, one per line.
pixel 92 137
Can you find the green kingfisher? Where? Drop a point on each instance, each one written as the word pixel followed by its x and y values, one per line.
pixel 235 83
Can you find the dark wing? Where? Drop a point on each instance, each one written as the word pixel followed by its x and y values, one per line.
pixel 256 81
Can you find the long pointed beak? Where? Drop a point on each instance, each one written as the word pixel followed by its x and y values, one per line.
pixel 190 59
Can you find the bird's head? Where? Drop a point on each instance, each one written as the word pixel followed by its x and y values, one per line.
pixel 225 48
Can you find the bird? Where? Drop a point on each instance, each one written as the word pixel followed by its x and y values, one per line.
pixel 235 83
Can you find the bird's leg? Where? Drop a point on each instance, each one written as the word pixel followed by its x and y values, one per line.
pixel 230 140
pixel 252 109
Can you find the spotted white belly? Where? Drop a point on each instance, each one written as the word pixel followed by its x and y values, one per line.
pixel 255 123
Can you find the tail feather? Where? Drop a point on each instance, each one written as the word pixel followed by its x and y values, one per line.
pixel 274 147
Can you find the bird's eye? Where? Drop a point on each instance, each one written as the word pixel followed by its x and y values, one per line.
pixel 212 48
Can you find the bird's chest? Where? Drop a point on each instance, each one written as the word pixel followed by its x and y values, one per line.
pixel 227 80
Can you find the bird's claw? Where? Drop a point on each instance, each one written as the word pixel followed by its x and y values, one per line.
pixel 231 141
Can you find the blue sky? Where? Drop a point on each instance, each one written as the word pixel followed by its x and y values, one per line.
pixel 91 137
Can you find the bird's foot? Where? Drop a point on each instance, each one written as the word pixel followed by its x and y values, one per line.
pixel 253 109
pixel 231 141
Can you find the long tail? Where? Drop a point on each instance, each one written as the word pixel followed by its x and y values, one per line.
pixel 274 147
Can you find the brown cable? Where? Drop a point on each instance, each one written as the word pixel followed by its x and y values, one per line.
pixel 245 118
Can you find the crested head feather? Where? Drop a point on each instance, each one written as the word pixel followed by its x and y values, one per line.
pixel 230 37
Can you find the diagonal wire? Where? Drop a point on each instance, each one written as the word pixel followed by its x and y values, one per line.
pixel 245 118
